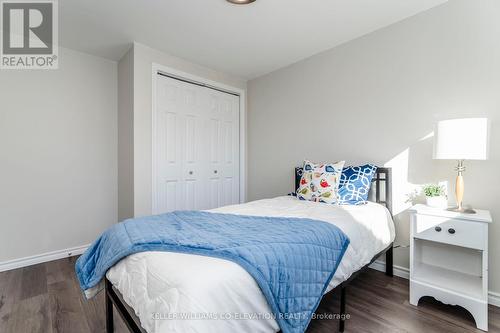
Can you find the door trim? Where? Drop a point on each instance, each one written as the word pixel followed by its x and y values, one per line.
pixel 175 73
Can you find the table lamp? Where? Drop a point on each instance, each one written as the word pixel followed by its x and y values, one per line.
pixel 461 139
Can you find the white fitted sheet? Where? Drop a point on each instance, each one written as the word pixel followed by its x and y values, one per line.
pixel 174 292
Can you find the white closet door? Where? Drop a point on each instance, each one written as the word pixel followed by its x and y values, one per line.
pixel 223 129
pixel 178 161
pixel 195 147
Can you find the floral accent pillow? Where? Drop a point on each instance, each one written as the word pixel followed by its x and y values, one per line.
pixel 320 182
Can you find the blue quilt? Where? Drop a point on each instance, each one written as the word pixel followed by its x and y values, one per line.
pixel 291 259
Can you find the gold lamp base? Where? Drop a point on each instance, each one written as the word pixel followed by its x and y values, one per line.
pixel 459 191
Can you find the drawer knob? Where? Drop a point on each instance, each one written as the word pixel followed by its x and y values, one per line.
pixel 451 231
pixel 438 229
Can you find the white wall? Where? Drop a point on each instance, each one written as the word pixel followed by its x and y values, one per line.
pixel 58 155
pixel 376 98
pixel 144 57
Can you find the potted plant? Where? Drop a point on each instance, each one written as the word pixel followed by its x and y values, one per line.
pixel 435 196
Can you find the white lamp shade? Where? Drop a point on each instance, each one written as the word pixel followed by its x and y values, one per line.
pixel 462 139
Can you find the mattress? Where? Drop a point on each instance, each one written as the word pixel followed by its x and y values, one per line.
pixel 175 292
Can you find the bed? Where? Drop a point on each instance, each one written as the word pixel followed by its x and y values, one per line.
pixel 148 288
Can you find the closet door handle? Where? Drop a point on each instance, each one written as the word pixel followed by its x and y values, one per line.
pixel 191 172
pixel 215 171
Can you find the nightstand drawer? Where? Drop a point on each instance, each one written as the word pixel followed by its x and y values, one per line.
pixel 450 231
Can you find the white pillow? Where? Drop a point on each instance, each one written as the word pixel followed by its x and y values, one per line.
pixel 320 182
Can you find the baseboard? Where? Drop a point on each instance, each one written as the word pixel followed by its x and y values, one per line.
pixel 403 272
pixel 40 258
pixel 494 298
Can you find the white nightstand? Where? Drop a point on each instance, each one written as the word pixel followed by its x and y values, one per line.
pixel 449 259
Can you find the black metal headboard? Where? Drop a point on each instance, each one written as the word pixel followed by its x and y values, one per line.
pixel 380 193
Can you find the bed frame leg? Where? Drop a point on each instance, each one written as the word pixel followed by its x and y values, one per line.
pixel 342 309
pixel 389 262
pixel 109 308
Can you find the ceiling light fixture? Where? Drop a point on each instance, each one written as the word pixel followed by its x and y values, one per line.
pixel 240 2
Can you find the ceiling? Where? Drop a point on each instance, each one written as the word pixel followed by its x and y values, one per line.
pixel 246 41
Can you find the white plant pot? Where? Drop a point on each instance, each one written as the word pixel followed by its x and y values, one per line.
pixel 437 202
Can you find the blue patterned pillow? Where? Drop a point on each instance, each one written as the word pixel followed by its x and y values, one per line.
pixel 355 183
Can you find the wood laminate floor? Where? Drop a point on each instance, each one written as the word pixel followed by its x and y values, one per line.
pixel 45 298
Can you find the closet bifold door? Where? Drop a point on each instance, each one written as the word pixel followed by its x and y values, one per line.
pixel 195 147
pixel 223 149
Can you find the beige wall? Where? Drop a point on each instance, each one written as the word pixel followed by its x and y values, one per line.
pixel 375 99
pixel 71 165
pixel 126 136
pixel 144 57
pixel 58 148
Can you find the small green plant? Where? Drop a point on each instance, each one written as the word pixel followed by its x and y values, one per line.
pixel 433 190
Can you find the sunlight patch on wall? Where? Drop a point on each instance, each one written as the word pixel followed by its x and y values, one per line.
pixel 405 192
pixel 401 187
pixel 428 136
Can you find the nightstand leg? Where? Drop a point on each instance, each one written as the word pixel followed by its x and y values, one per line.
pixel 480 314
pixel 415 294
